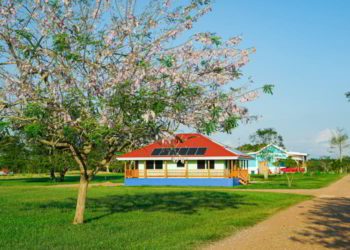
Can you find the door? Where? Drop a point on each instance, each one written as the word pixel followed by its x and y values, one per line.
pixel 263 167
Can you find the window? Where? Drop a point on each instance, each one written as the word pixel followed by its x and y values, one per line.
pixel 154 164
pixel 149 164
pixel 180 164
pixel 136 164
pixel 201 164
pixel 158 164
pixel 212 164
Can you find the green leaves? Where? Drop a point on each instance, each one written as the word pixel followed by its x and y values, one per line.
pixel 61 42
pixel 167 61
pixel 53 3
pixel 216 40
pixel 268 89
pixel 4 125
pixel 230 123
pixel 348 95
pixel 218 70
pixel 143 64
pixel 25 34
pixel 34 130
pixel 209 127
pixel 73 57
pixel 35 110
pixel 62 45
pixel 201 2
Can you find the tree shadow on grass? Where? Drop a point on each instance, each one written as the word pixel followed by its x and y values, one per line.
pixel 187 202
pixel 67 180
pixel 329 224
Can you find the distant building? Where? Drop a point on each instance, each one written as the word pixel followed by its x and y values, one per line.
pixel 269 155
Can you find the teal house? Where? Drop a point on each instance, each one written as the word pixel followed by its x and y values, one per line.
pixel 269 155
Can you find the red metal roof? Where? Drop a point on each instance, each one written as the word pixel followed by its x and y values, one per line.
pixel 191 140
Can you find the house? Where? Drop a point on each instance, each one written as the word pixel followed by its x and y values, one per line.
pixel 5 171
pixel 267 157
pixel 187 160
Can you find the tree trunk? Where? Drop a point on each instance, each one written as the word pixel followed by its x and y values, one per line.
pixel 266 174
pixel 289 181
pixel 63 174
pixel 80 208
pixel 52 174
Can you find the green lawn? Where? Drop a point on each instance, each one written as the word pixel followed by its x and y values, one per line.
pixel 129 218
pixel 300 181
pixel 43 179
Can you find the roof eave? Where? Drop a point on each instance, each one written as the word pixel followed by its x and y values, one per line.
pixel 178 158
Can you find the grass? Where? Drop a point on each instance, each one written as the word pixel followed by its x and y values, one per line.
pixel 300 181
pixel 44 179
pixel 130 218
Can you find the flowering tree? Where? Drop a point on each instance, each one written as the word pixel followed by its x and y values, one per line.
pixel 97 77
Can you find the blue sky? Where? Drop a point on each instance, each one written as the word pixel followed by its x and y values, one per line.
pixel 303 48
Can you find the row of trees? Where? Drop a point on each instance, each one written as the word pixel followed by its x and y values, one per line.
pixel 328 164
pixel 19 156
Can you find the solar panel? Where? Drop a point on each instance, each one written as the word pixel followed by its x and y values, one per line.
pixel 156 151
pixel 165 151
pixel 179 151
pixel 191 151
pixel 183 151
pixel 174 151
pixel 201 151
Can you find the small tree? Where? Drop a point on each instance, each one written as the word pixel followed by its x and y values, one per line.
pixel 267 136
pixel 339 143
pixel 98 77
pixel 288 163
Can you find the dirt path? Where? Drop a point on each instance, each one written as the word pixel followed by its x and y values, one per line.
pixel 320 223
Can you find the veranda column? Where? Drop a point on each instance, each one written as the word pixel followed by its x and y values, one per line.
pixel 208 167
pixel 166 169
pixel 186 169
pixel 144 165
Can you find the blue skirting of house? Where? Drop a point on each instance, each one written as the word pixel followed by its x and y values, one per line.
pixel 208 182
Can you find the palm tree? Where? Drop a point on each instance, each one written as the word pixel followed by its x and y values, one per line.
pixel 339 142
pixel 347 94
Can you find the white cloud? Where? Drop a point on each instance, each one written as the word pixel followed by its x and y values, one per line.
pixel 324 136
